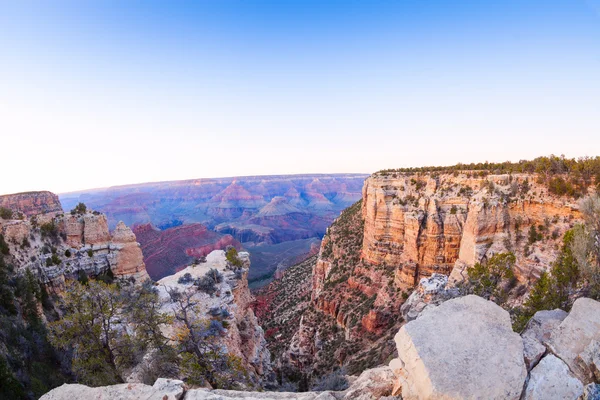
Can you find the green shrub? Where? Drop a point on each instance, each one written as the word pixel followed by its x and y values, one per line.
pixel 6 213
pixel 49 229
pixel 79 209
pixel 485 278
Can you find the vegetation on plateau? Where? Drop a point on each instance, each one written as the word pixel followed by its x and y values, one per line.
pixel 562 176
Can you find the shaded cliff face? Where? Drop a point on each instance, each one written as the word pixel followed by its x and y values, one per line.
pixel 169 250
pixel 31 203
pixel 244 337
pixel 57 246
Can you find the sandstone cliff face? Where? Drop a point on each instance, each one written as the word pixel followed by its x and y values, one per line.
pixel 409 227
pixel 31 203
pixel 87 229
pixel 58 247
pixel 429 223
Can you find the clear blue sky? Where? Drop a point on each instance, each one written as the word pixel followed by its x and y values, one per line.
pixel 113 92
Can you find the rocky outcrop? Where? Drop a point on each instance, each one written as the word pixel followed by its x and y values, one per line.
pixel 130 261
pixel 86 229
pixel 465 348
pixel 243 338
pixel 425 223
pixel 430 293
pixel 372 385
pixel 572 339
pixel 163 389
pixel 537 333
pixel 551 379
pixel 58 247
pixel 31 203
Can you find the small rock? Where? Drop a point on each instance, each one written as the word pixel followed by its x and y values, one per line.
pixel 541 325
pixel 371 384
pixel 170 389
pixel 533 351
pixel 551 379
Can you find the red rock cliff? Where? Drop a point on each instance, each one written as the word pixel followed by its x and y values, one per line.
pixel 31 203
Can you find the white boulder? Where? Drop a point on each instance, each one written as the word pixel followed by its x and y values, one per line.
pixel 573 336
pixel 463 349
pixel 551 379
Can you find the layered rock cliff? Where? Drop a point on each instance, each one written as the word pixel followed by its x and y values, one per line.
pixel 31 203
pixel 435 222
pixel 408 227
pixel 57 246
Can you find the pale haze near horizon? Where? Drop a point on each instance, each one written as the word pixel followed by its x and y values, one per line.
pixel 96 96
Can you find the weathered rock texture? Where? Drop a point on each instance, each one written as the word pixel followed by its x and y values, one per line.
pixel 572 339
pixel 57 246
pixel 439 222
pixel 408 227
pixel 551 379
pixel 537 333
pixel 31 203
pixel 463 349
pixel 372 385
pixel 244 337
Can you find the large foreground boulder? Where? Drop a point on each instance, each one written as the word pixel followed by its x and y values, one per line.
pixel 463 349
pixel 573 340
pixel 372 384
pixel 163 389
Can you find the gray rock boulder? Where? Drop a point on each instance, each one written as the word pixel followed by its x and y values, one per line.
pixel 163 389
pixel 589 360
pixel 537 332
pixel 541 325
pixel 206 394
pixel 373 383
pixel 551 379
pixel 463 349
pixel 430 292
pixel 573 336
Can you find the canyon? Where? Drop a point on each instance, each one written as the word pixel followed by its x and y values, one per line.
pixel 381 303
pixel 409 226
pixel 58 248
pixel 276 218
pixel 462 348
pixel 169 250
